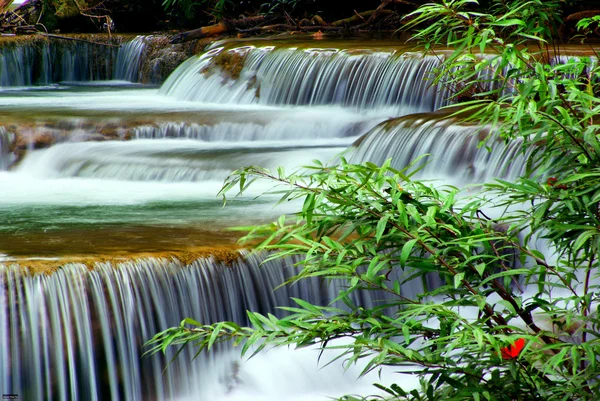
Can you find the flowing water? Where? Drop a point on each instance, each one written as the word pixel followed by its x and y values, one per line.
pixel 361 79
pixel 101 168
pixel 452 149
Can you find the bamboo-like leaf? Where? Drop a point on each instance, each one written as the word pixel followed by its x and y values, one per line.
pixel 406 251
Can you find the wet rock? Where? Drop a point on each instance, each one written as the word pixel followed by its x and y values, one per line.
pixel 161 58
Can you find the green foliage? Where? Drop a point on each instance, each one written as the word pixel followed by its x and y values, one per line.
pixel 68 8
pixel 377 228
pixel 588 25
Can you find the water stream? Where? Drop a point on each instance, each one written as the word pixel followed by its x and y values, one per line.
pixel 101 167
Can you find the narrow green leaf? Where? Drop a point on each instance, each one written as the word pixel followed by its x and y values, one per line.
pixel 406 251
pixel 458 279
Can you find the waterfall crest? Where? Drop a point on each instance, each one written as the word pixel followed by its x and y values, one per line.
pixel 77 334
pixel 295 76
pixel 453 149
pixel 128 61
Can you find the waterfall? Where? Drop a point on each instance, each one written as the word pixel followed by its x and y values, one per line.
pixel 296 76
pixel 129 58
pixel 77 334
pixel 6 155
pixel 309 126
pixel 16 66
pixel 453 149
pixel 131 170
pixel 40 61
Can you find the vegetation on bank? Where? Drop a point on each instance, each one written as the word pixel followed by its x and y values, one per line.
pixel 516 317
pixel 236 17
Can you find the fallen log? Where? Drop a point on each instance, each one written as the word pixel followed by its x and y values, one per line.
pixel 217 29
pixel 199 33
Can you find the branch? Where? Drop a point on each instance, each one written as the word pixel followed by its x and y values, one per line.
pixel 217 29
pixel 52 36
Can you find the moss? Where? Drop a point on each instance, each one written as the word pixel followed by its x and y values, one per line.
pixel 221 254
pixel 229 63
pixel 161 58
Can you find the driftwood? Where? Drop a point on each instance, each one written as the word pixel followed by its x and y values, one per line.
pixel 16 21
pixel 199 33
pixel 251 25
pixel 217 29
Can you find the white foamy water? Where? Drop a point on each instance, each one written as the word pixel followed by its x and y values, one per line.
pixel 142 170
pixel 294 375
pixel 122 97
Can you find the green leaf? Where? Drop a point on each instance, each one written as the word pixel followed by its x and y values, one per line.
pixel 508 22
pixel 480 267
pixel 583 238
pixel 216 330
pixel 381 225
pixel 406 251
pixel 458 279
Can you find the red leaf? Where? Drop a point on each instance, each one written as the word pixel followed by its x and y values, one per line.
pixel 513 350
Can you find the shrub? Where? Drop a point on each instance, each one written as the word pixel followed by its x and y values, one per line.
pixel 477 336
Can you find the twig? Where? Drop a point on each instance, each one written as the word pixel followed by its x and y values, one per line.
pixel 53 36
pixel 83 11
pixel 359 16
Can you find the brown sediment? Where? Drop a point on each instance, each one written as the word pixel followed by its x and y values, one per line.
pixel 220 254
pixel 225 254
pixel 115 240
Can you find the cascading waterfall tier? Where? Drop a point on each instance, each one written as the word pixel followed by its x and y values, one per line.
pixel 271 128
pixel 129 58
pixel 41 61
pixel 77 334
pixel 278 129
pixel 160 160
pixel 271 75
pixel 356 77
pixel 453 149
